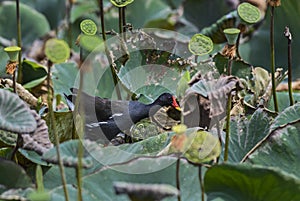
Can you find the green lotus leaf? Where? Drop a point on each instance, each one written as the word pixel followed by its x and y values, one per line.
pixel 240 68
pixel 15 116
pixel 235 182
pixel 248 13
pixel 69 151
pixel 35 73
pixel 33 23
pixel 121 3
pixel 98 185
pixel 246 132
pixel 57 50
pixel 88 27
pixel 12 176
pixel 8 138
pixel 200 44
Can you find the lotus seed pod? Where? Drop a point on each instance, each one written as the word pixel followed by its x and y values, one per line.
pixel 121 3
pixel 57 50
pixel 13 52
pixel 231 35
pixel 248 13
pixel 200 45
pixel 274 3
pixel 88 27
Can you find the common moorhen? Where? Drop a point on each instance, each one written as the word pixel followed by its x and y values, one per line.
pixel 110 117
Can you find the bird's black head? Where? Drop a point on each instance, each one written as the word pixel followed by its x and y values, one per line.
pixel 167 99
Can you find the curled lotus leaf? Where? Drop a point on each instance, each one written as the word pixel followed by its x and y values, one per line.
pixel 205 101
pixel 38 141
pixel 138 191
pixel 15 115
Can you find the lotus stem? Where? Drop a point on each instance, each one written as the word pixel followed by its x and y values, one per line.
pixel 79 110
pixel 19 41
pixel 81 137
pixel 178 177
pixel 111 62
pixel 14 82
pixel 219 137
pixel 120 20
pixel 273 59
pixel 201 182
pixel 232 35
pixel 288 35
pixel 102 20
pixel 124 22
pixel 196 58
pixel 18 145
pixel 237 46
pixel 229 103
pixel 68 16
pixel 53 128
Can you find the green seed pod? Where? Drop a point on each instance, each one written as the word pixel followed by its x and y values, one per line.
pixel 13 52
pixel 231 35
pixel 88 27
pixel 200 45
pixel 121 3
pixel 248 13
pixel 57 50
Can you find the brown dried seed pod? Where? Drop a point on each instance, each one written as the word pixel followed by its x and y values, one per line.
pixel 274 3
pixel 11 66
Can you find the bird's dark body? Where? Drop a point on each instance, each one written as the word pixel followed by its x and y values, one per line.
pixel 104 117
